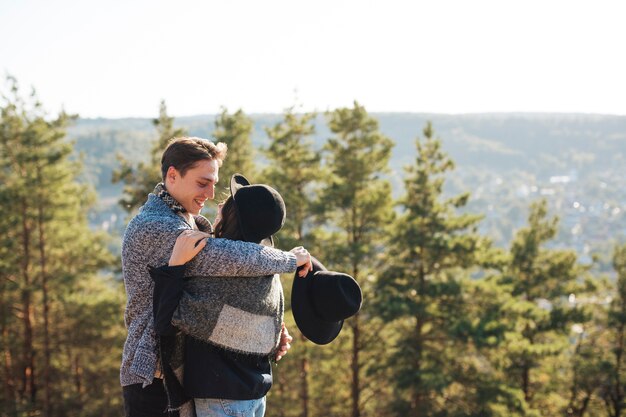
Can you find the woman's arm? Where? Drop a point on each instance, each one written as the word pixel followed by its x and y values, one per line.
pixel 168 288
pixel 168 280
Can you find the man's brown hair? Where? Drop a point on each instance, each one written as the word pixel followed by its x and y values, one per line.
pixel 184 153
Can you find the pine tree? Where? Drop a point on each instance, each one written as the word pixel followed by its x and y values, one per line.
pixel 588 366
pixel 420 289
pixel 18 138
pixel 139 180
pixel 235 131
pixel 481 389
pixel 357 201
pixel 613 390
pixel 540 280
pixel 53 249
pixel 293 169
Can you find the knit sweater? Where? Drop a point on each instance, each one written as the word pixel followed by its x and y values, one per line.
pixel 243 315
pixel 148 241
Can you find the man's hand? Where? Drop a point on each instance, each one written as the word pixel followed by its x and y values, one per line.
pixel 187 245
pixel 303 258
pixel 285 343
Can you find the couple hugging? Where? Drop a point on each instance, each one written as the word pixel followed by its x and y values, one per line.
pixel 205 315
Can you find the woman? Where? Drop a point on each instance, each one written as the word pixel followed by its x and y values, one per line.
pixel 232 326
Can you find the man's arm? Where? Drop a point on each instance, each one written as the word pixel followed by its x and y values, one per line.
pixel 223 257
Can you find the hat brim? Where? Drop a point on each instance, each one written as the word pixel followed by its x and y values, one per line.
pixel 320 332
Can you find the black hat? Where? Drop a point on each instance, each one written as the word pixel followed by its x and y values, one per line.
pixel 260 209
pixel 322 300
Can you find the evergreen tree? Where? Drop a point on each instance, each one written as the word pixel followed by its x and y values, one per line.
pixel 139 180
pixel 357 201
pixel 293 169
pixel 235 131
pixel 540 280
pixel 588 369
pixel 420 289
pixel 613 389
pixel 18 227
pixel 479 388
pixel 53 249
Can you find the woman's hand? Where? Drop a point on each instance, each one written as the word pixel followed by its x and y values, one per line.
pixel 187 245
pixel 303 258
pixel 285 343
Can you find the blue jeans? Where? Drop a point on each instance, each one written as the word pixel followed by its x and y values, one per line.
pixel 210 407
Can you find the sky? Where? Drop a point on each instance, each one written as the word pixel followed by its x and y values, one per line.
pixel 121 58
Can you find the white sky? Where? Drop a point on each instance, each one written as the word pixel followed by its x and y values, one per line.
pixel 119 58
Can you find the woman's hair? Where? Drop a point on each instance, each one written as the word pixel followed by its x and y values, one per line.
pixel 228 226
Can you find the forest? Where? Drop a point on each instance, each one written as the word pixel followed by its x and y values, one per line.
pixel 453 323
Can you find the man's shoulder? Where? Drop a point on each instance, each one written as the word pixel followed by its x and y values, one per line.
pixel 147 225
pixel 153 220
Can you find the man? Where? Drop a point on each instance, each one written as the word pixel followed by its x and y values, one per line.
pixel 189 168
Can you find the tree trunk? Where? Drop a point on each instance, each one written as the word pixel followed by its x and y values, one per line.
pixel 356 383
pixel 282 394
pixel 583 408
pixel 9 382
pixel 78 376
pixel 619 394
pixel 526 367
pixel 526 382
pixel 46 313
pixel 417 405
pixel 572 409
pixel 304 376
pixel 304 364
pixel 356 333
pixel 29 387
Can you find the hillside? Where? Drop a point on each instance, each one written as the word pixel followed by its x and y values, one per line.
pixel 576 161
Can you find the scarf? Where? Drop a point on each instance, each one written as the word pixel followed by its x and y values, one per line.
pixel 162 193
pixel 202 222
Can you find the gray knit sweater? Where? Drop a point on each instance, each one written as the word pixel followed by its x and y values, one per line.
pixel 243 315
pixel 148 240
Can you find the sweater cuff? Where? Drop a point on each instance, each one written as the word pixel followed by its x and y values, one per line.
pixel 176 270
pixel 292 262
pixel 167 272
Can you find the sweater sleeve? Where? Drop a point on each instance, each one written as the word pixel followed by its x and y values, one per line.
pixel 223 257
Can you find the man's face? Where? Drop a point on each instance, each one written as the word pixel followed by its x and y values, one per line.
pixel 195 187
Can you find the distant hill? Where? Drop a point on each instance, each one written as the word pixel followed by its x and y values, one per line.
pixel 542 143
pixel 504 159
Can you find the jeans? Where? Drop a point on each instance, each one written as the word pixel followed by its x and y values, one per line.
pixel 150 401
pixel 210 407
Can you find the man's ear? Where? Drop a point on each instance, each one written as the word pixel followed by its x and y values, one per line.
pixel 171 174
